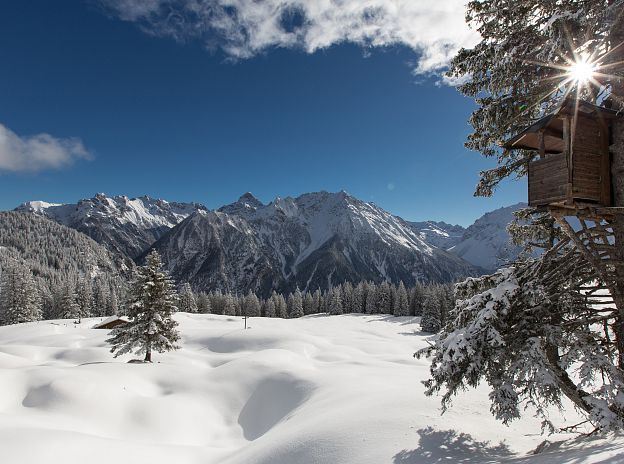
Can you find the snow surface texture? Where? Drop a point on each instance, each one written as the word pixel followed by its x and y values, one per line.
pixel 339 389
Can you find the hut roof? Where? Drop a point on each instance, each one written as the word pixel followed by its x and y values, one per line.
pixel 552 125
pixel 111 322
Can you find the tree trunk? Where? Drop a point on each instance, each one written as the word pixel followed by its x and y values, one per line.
pixel 148 354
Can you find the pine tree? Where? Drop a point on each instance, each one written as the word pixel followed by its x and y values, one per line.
pixel 281 307
pixel 335 301
pixel 371 298
pixel 401 303
pixel 384 300
pixel 358 298
pixel 250 305
pixel 417 300
pixel 84 297
pixel 153 301
pixel 318 300
pixel 295 304
pixel 269 307
pixel 203 303
pixel 308 304
pixel 19 300
pixel 70 309
pixel 431 320
pixel 187 303
pixel 229 305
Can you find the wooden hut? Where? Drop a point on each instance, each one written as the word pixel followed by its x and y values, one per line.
pixel 112 322
pixel 573 168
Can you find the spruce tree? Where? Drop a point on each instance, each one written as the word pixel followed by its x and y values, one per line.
pixel 295 304
pixel 431 320
pixel 401 302
pixel 269 307
pixel 187 303
pixel 203 303
pixel 19 300
pixel 152 303
pixel 70 309
pixel 335 301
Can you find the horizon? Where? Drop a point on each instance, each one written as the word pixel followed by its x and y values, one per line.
pixel 98 98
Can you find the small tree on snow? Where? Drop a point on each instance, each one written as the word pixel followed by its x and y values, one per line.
pixel 153 300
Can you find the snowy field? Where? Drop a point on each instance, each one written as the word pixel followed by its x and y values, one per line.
pixel 339 389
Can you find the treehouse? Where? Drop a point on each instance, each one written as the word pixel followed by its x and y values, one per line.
pixel 573 165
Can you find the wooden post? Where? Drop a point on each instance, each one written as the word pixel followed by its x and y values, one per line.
pixel 542 144
pixel 567 150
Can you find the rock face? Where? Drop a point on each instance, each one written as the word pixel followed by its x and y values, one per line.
pixel 124 225
pixel 313 241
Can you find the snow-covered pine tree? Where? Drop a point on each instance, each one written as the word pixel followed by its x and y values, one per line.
pixel 269 307
pixel 100 298
pixel 229 305
pixel 431 320
pixel 112 306
pixel 152 303
pixel 203 303
pixel 251 305
pixel 358 298
pixel 187 303
pixel 417 300
pixel 70 309
pixel 281 307
pixel 401 301
pixel 84 296
pixel 308 304
pixel 295 304
pixel 335 301
pixel 384 299
pixel 370 306
pixel 19 300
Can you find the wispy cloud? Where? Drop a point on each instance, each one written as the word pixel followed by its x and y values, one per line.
pixel 434 29
pixel 38 152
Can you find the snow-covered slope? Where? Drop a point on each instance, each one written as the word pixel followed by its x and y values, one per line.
pixel 313 241
pixel 125 225
pixel 316 390
pixel 486 243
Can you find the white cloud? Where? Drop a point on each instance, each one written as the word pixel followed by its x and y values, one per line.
pixel 435 29
pixel 38 152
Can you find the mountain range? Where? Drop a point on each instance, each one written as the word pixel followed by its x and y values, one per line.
pixel 312 241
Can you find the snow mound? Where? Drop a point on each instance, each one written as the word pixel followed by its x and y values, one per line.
pixel 340 389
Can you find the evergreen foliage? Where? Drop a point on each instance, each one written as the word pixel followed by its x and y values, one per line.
pixel 152 303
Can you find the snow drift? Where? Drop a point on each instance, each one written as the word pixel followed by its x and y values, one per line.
pixel 320 389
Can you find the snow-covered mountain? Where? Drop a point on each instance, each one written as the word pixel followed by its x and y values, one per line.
pixel 313 241
pixel 124 225
pixel 439 234
pixel 486 243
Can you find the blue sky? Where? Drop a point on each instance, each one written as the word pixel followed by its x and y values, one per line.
pixel 152 115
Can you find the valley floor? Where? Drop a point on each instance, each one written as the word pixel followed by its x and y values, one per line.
pixel 321 389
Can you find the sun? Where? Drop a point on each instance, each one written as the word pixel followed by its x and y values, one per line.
pixel 582 71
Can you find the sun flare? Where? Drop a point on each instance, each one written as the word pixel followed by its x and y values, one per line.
pixel 582 71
